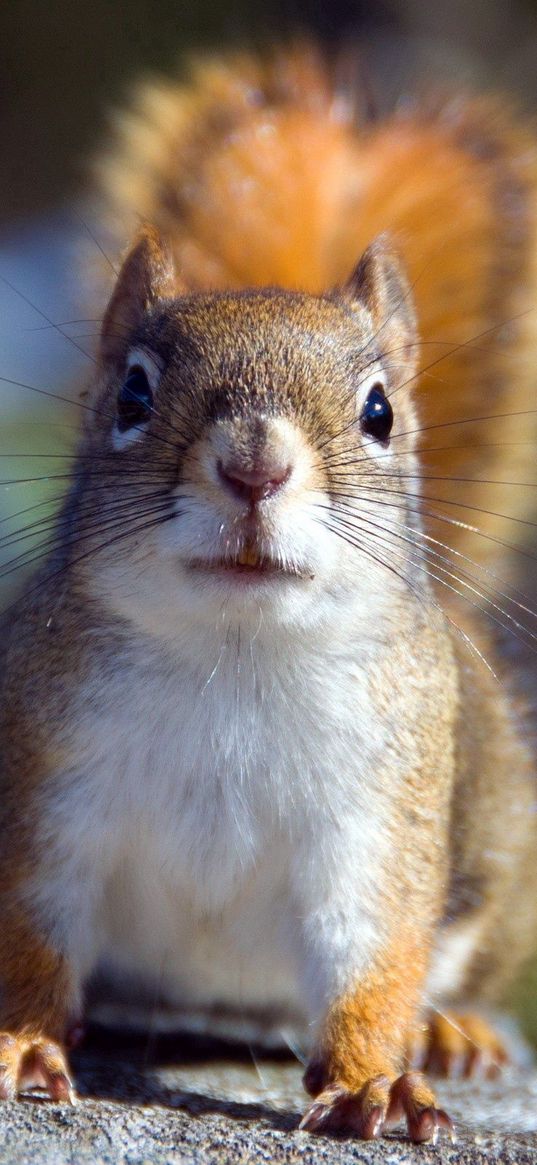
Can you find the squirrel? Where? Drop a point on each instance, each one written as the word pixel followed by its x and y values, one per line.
pixel 247 755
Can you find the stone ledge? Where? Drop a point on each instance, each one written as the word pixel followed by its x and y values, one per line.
pixel 201 1106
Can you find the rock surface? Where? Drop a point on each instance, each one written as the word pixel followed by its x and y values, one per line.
pixel 186 1101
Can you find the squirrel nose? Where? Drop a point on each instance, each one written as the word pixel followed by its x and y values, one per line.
pixel 253 485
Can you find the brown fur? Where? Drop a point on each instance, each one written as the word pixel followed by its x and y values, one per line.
pixel 365 1033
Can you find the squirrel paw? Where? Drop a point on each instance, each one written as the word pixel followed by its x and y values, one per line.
pixel 376 1107
pixel 453 1045
pixel 30 1061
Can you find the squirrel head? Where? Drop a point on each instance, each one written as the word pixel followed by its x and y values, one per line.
pixel 249 448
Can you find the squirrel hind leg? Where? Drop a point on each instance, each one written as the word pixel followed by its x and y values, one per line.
pixel 457 1045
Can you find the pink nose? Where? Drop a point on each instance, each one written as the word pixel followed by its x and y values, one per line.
pixel 253 485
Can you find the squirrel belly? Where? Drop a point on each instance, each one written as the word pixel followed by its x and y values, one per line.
pixel 256 762
pixel 199 837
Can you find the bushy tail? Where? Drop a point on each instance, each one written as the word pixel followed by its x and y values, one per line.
pixel 265 172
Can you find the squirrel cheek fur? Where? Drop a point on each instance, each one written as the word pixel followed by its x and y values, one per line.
pixel 253 754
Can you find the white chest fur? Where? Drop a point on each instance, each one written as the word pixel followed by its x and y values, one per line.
pixel 221 805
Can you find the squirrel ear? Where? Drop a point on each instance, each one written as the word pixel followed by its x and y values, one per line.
pixel 379 284
pixel 147 275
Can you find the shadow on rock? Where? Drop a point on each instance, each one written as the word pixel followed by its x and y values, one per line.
pixel 123 1067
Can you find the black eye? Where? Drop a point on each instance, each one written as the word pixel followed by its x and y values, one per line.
pixel 376 418
pixel 134 400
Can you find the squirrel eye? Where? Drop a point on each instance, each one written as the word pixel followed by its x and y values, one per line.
pixel 376 418
pixel 134 401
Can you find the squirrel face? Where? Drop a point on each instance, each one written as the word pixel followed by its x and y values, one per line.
pixel 241 447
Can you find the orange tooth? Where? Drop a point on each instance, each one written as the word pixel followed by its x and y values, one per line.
pixel 248 556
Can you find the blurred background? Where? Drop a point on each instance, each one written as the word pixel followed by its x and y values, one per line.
pixel 64 65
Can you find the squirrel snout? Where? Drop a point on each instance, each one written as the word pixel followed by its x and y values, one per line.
pixel 253 484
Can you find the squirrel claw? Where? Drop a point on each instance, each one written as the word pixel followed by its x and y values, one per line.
pixel 27 1061
pixel 412 1100
pixel 426 1125
pixel 338 1110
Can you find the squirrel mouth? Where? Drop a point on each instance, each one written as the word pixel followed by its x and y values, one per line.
pixel 250 561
